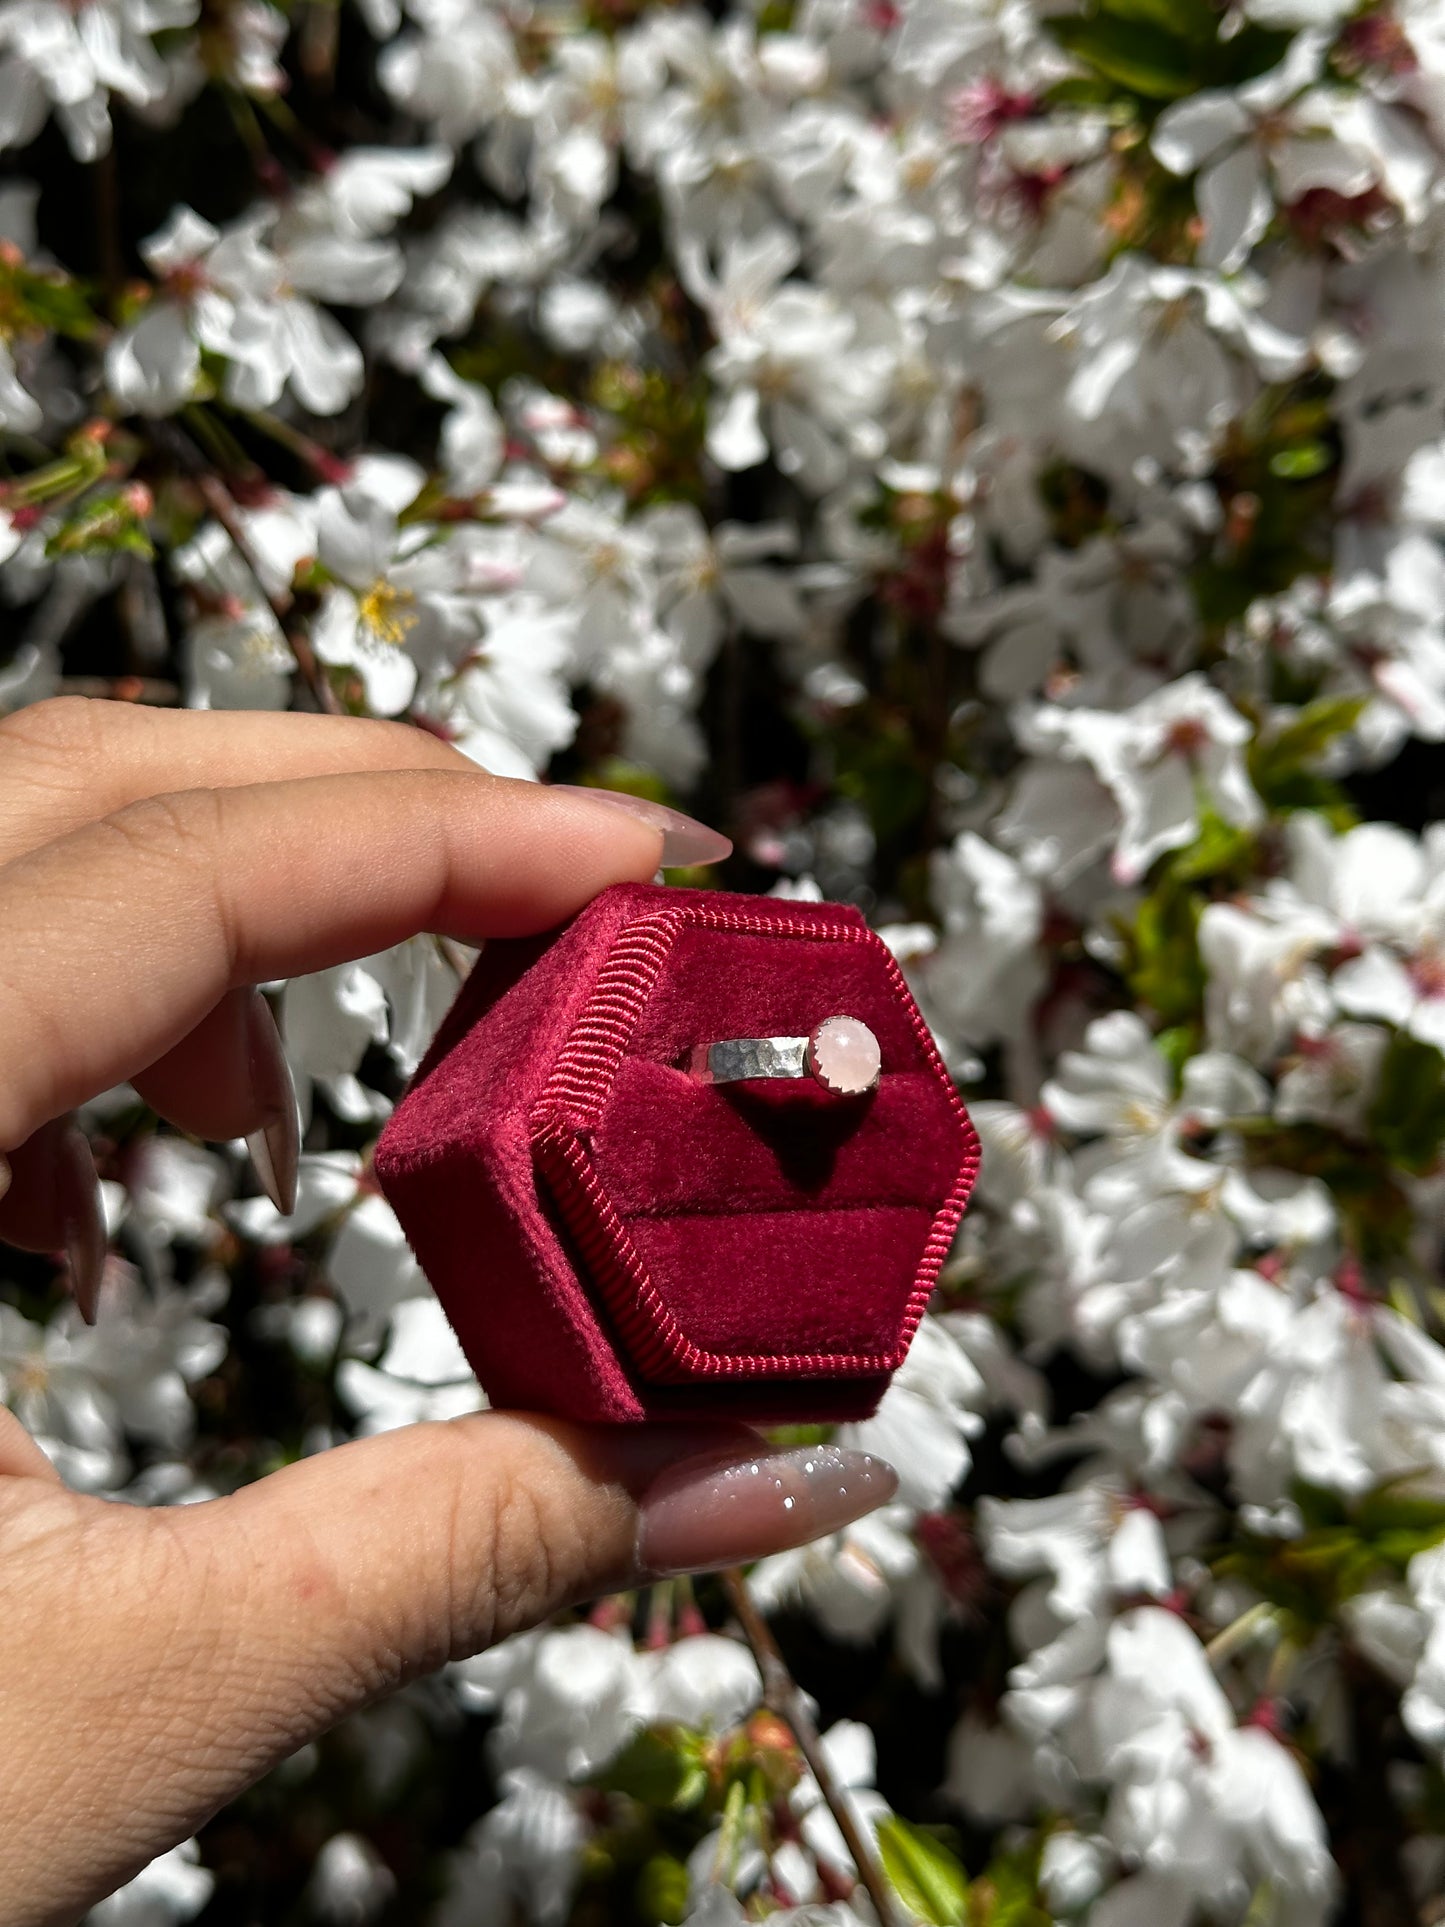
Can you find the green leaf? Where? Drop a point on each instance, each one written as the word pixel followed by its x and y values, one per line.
pixel 1164 969
pixel 630 779
pixel 1276 472
pixel 1388 1509
pixel 1310 733
pixel 1159 50
pixel 1345 1550
pixel 1177 1045
pixel 925 1875
pixel 1376 1217
pixel 1146 59
pixel 1252 51
pixel 1399 1548
pixel 49 301
pixel 1302 462
pixel 1407 1118
pixel 1302 790
pixel 1191 20
pixel 1080 90
pixel 799 1434
pixel 1219 849
pixel 1280 764
pixel 877 765
pixel 104 523
pixel 1006 1893
pixel 661 1767
pixel 1166 973
pixel 662 1889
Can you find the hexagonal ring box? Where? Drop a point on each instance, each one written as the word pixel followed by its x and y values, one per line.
pixel 617 1238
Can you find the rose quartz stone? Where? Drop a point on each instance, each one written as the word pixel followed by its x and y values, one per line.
pixel 843 1055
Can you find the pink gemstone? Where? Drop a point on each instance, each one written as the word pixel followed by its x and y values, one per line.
pixel 843 1055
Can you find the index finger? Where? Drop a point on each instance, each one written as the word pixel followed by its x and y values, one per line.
pixel 73 759
pixel 121 936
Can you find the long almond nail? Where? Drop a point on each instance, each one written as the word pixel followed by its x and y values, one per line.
pixel 707 1514
pixel 685 841
pixel 275 1144
pixel 83 1216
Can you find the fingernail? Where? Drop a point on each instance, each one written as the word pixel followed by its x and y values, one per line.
pixel 685 841
pixel 703 1515
pixel 83 1216
pixel 4 1176
pixel 275 1145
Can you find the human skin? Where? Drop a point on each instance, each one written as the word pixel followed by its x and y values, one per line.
pixel 154 867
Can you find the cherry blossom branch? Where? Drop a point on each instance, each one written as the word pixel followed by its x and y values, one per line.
pixel 142 616
pixel 219 502
pixel 783 1695
pixel 105 175
pixel 320 32
pixel 458 959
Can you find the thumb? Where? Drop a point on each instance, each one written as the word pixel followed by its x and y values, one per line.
pixel 168 1658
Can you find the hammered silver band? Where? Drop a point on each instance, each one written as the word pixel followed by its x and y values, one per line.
pixel 841 1054
pixel 738 1058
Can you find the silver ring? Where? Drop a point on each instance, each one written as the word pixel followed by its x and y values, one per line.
pixel 840 1053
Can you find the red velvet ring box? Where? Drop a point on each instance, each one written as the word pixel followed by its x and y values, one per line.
pixel 614 1238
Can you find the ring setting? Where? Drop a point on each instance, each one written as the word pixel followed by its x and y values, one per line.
pixel 841 1054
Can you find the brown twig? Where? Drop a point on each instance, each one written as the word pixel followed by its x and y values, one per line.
pixel 105 175
pixel 455 957
pixel 142 616
pixel 320 33
pixel 217 499
pixel 783 1695
pixel 219 502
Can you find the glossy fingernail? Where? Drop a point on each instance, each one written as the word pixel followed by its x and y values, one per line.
pixel 685 841
pixel 83 1215
pixel 275 1145
pixel 707 1514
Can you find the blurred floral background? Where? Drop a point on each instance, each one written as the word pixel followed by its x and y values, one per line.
pixel 989 457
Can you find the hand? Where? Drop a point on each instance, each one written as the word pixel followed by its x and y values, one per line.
pixel 153 868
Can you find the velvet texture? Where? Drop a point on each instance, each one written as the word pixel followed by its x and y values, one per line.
pixel 614 1239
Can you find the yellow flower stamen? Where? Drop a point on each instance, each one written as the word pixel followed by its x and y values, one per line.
pixel 387 613
pixel 33 1376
